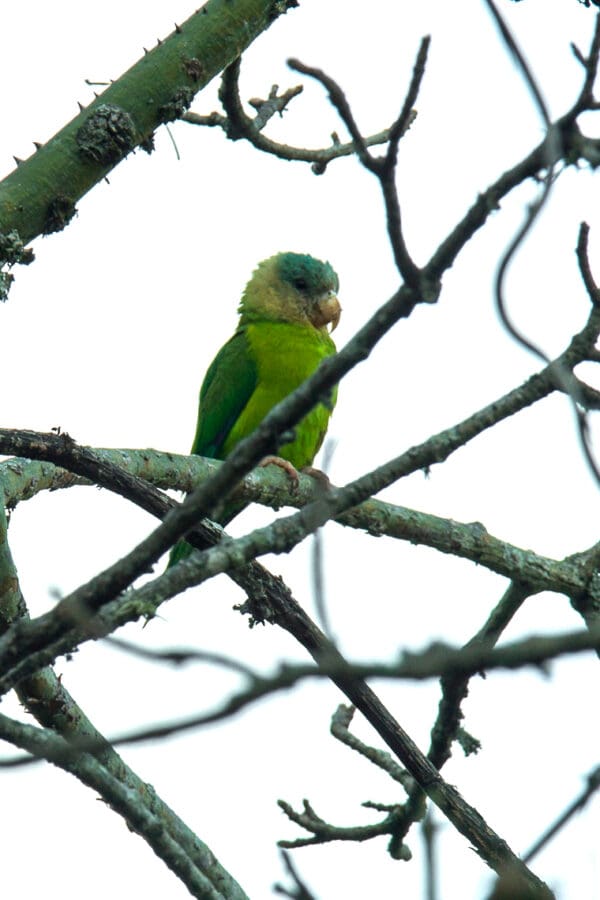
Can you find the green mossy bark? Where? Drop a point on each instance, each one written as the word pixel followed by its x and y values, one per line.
pixel 40 195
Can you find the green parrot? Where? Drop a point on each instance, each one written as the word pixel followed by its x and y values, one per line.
pixel 281 338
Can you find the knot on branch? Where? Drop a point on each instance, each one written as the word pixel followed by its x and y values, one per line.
pixel 178 104
pixel 59 213
pixel 12 251
pixel 194 69
pixel 280 7
pixel 107 135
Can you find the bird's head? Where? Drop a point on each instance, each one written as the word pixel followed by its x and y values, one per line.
pixel 292 287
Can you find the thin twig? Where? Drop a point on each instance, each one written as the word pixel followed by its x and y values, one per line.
pixel 455 687
pixel 300 890
pixel 439 660
pixel 382 167
pixel 179 656
pixel 237 125
pixel 593 784
pixel 554 150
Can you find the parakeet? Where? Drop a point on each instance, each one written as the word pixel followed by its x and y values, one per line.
pixel 281 338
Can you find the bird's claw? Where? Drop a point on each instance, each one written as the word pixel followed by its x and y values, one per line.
pixel 319 476
pixel 284 464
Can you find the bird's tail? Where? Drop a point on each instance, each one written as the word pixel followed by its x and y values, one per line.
pixel 179 551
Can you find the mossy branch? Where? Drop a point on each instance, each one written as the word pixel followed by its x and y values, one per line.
pixel 23 478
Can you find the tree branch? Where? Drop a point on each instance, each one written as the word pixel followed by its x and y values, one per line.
pixel 210 884
pixel 39 197
pixel 237 125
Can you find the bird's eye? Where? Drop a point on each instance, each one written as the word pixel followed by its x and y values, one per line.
pixel 300 284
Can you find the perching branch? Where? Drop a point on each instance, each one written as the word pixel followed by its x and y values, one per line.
pixel 264 440
pixel 59 630
pixel 89 608
pixel 466 819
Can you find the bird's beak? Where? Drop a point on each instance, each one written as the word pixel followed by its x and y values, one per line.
pixel 326 311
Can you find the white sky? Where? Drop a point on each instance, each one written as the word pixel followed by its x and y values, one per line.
pixel 108 335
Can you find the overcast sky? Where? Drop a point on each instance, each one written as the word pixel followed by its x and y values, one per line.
pixel 108 335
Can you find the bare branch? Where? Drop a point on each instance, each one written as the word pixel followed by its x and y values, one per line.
pixel 340 729
pixel 237 125
pixel 583 260
pixel 57 631
pixel 593 785
pixel 554 151
pixel 180 656
pixel 324 833
pixel 455 687
pixel 384 168
pixel 300 891
pixel 439 660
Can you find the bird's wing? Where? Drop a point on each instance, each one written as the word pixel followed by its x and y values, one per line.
pixel 228 385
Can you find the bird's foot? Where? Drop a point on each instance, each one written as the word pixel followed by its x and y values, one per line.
pixel 320 477
pixel 283 464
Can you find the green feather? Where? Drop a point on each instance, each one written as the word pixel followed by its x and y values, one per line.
pixel 281 339
pixel 284 355
pixel 227 387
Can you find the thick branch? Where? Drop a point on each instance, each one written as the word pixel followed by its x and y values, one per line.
pixel 123 800
pixel 270 486
pixel 58 629
pixel 46 697
pixel 40 196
